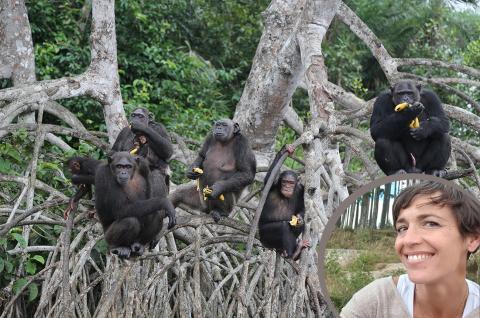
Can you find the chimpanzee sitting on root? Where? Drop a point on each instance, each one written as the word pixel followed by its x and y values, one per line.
pixel 148 139
pixel 224 167
pixel 127 205
pixel 281 221
pixel 410 130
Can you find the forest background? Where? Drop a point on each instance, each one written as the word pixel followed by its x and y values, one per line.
pixel 188 62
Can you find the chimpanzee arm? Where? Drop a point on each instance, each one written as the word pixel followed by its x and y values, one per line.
pixel 246 166
pixel 83 179
pixel 124 141
pixel 437 121
pixel 385 122
pixel 299 208
pixel 273 164
pixel 198 163
pixel 143 207
pixel 159 140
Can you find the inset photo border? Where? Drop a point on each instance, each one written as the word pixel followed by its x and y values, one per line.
pixel 358 245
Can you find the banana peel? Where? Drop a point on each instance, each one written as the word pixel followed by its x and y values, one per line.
pixel 414 123
pixel 134 151
pixel 293 221
pixel 208 191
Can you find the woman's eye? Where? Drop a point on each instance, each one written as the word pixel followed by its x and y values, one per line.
pixel 401 229
pixel 431 224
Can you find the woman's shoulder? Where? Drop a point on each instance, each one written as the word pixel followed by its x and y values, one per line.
pixel 378 299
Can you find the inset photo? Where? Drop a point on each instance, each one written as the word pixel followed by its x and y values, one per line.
pixel 404 247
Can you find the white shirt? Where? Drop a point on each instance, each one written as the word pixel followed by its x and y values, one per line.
pixel 406 288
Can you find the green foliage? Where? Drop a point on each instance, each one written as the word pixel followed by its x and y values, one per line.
pixel 340 285
pixel 472 54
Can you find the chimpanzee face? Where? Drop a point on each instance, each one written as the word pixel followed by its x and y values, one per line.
pixel 139 115
pixel 122 165
pixel 75 166
pixel 405 92
pixel 287 185
pixel 224 129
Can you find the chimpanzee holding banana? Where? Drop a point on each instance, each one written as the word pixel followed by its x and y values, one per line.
pixel 410 130
pixel 148 139
pixel 282 218
pixel 224 167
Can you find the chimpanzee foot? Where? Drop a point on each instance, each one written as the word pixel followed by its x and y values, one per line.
pixel 414 170
pixel 400 171
pixel 215 215
pixel 152 244
pixel 438 173
pixel 121 251
pixel 91 213
pixel 137 249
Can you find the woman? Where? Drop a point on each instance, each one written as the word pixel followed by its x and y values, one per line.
pixel 438 227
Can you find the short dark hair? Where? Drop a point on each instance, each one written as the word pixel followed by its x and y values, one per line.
pixel 466 209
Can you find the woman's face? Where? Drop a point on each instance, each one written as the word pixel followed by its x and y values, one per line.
pixel 429 242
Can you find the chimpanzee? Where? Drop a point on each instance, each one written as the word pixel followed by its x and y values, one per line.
pixel 83 175
pixel 403 146
pixel 224 167
pixel 281 221
pixel 148 139
pixel 128 205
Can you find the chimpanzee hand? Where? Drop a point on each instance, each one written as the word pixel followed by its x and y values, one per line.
pixel 300 221
pixel 194 173
pixel 419 133
pixel 217 189
pixel 290 149
pixel 172 219
pixel 416 108
pixel 137 127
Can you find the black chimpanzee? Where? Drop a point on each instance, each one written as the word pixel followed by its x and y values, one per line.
pixel 224 167
pixel 128 206
pixel 281 221
pixel 403 146
pixel 83 175
pixel 148 139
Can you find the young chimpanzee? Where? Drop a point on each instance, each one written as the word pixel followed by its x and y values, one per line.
pixel 83 175
pixel 281 221
pixel 224 167
pixel 410 130
pixel 148 139
pixel 127 204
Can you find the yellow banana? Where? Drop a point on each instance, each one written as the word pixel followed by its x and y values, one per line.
pixel 415 123
pixel 197 170
pixel 294 220
pixel 208 191
pixel 134 151
pixel 401 107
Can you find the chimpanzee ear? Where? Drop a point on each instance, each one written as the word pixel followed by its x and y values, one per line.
pixel 419 87
pixel 236 128
pixel 109 157
pixel 151 116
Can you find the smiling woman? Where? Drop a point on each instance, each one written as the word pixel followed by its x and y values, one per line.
pixel 438 227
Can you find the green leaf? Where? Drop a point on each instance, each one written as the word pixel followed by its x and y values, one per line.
pixel 8 266
pixel 19 284
pixel 39 258
pixel 2 264
pixel 32 291
pixel 19 238
pixel 30 267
